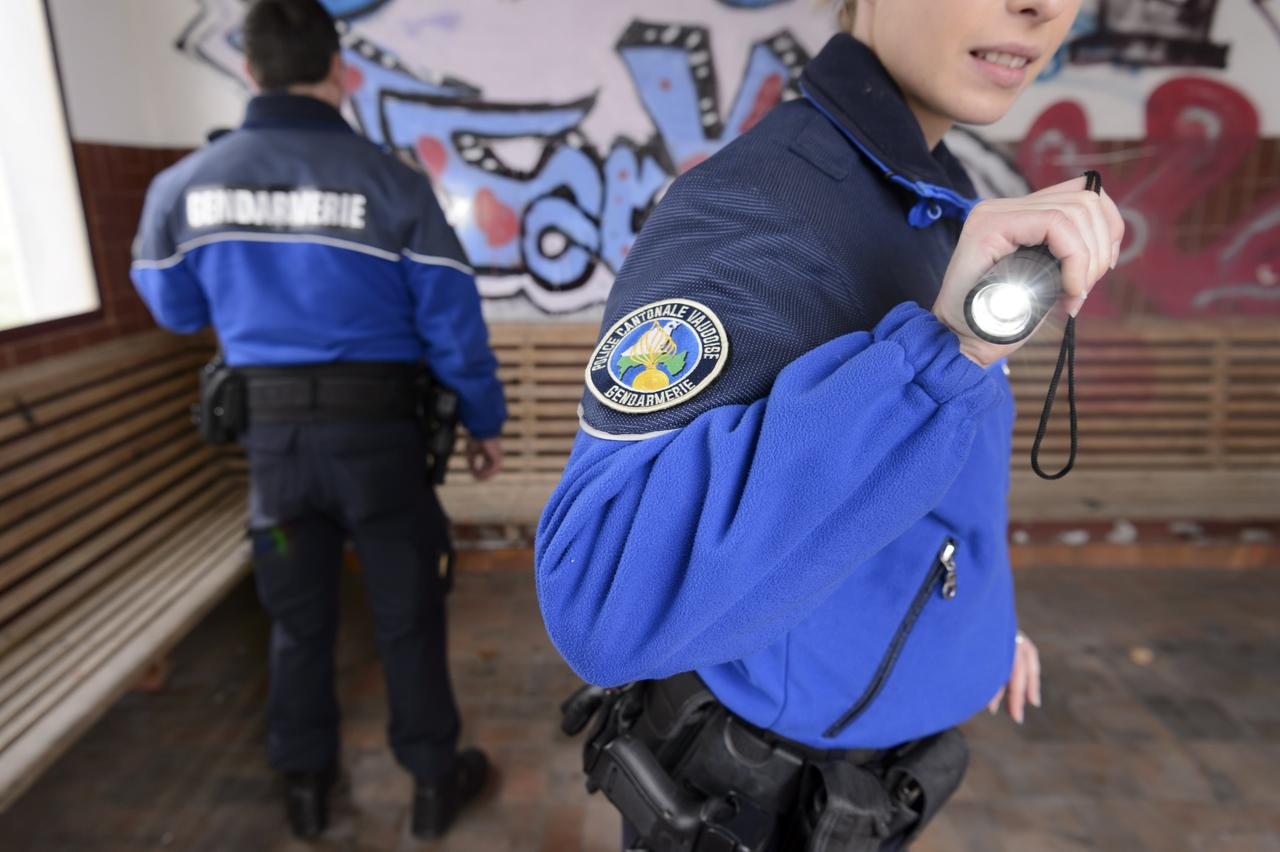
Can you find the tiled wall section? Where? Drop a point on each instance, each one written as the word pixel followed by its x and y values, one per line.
pixel 113 182
pixel 114 179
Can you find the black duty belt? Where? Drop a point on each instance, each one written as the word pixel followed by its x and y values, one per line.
pixel 342 391
pixel 691 776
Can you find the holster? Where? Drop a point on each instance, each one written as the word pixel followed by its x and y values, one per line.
pixel 690 776
pixel 221 413
pixel 438 413
pixel 636 729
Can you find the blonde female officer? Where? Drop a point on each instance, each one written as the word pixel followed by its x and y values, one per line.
pixel 792 468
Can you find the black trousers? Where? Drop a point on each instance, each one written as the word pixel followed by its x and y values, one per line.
pixel 313 485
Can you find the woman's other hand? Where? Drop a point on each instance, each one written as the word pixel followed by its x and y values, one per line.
pixel 1024 680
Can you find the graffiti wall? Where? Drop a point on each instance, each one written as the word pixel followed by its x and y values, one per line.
pixel 548 167
pixel 551 127
pixel 1175 102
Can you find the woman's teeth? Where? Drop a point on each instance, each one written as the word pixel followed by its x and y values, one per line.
pixel 1006 59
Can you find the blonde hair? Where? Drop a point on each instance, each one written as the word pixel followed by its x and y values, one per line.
pixel 845 11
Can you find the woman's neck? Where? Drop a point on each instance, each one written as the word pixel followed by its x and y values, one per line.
pixel 932 124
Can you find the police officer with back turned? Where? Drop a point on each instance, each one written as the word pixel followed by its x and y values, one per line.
pixel 330 275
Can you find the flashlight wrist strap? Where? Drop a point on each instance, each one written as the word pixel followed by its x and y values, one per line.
pixel 1066 354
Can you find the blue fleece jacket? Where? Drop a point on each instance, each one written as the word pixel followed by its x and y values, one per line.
pixel 807 506
pixel 303 243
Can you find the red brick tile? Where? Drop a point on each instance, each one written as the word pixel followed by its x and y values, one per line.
pixel 62 342
pixel 28 352
pixel 98 334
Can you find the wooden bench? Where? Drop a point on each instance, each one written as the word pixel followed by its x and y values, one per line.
pixel 1177 420
pixel 118 530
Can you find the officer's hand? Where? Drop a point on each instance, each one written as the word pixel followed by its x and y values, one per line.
pixel 484 457
pixel 1024 681
pixel 1082 229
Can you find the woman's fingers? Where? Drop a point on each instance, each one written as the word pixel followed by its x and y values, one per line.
pixel 1115 226
pixel 1106 221
pixel 1033 691
pixel 1089 213
pixel 1085 212
pixel 994 704
pixel 1024 682
pixel 1018 687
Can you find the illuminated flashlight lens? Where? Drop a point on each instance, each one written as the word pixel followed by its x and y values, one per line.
pixel 1003 309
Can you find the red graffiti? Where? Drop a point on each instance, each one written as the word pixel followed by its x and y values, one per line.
pixel 498 221
pixel 1198 133
pixel 433 155
pixel 767 97
pixel 353 80
pixel 692 161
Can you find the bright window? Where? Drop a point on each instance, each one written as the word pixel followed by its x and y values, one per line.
pixel 45 268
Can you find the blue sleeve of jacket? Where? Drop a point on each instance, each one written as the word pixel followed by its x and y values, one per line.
pixel 448 318
pixel 707 543
pixel 447 313
pixel 160 271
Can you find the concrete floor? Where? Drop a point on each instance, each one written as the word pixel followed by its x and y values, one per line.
pixel 1160 732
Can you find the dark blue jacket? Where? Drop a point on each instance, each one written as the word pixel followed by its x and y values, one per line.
pixel 787 476
pixel 303 243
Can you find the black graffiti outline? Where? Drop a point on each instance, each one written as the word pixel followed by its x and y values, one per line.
pixel 1119 46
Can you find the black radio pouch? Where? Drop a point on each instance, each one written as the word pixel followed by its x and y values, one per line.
pixel 222 412
pixel 886 807
pixel 926 773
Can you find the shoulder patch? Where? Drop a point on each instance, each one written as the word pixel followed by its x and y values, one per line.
pixel 658 356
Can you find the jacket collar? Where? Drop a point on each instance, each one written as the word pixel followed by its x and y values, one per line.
pixel 279 109
pixel 847 84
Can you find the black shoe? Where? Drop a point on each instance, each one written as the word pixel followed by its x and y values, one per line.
pixel 307 801
pixel 436 805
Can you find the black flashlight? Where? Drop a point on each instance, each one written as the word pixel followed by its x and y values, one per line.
pixel 1009 301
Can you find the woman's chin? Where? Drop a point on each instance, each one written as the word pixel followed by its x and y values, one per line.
pixel 982 111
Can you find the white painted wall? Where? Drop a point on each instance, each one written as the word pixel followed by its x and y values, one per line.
pixel 125 81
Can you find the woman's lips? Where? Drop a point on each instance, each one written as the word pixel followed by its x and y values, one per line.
pixel 999 67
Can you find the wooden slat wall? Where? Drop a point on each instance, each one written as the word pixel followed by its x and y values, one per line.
pixel 1194 405
pixel 1164 396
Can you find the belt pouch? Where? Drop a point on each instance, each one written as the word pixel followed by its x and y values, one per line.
pixel 925 774
pixel 846 808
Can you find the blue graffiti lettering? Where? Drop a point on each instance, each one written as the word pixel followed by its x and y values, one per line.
pixel 453 141
pixel 671 68
pixel 633 180
pixel 562 213
pixel 372 71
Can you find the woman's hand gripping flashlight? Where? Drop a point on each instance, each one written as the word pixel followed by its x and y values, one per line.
pixel 1081 229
